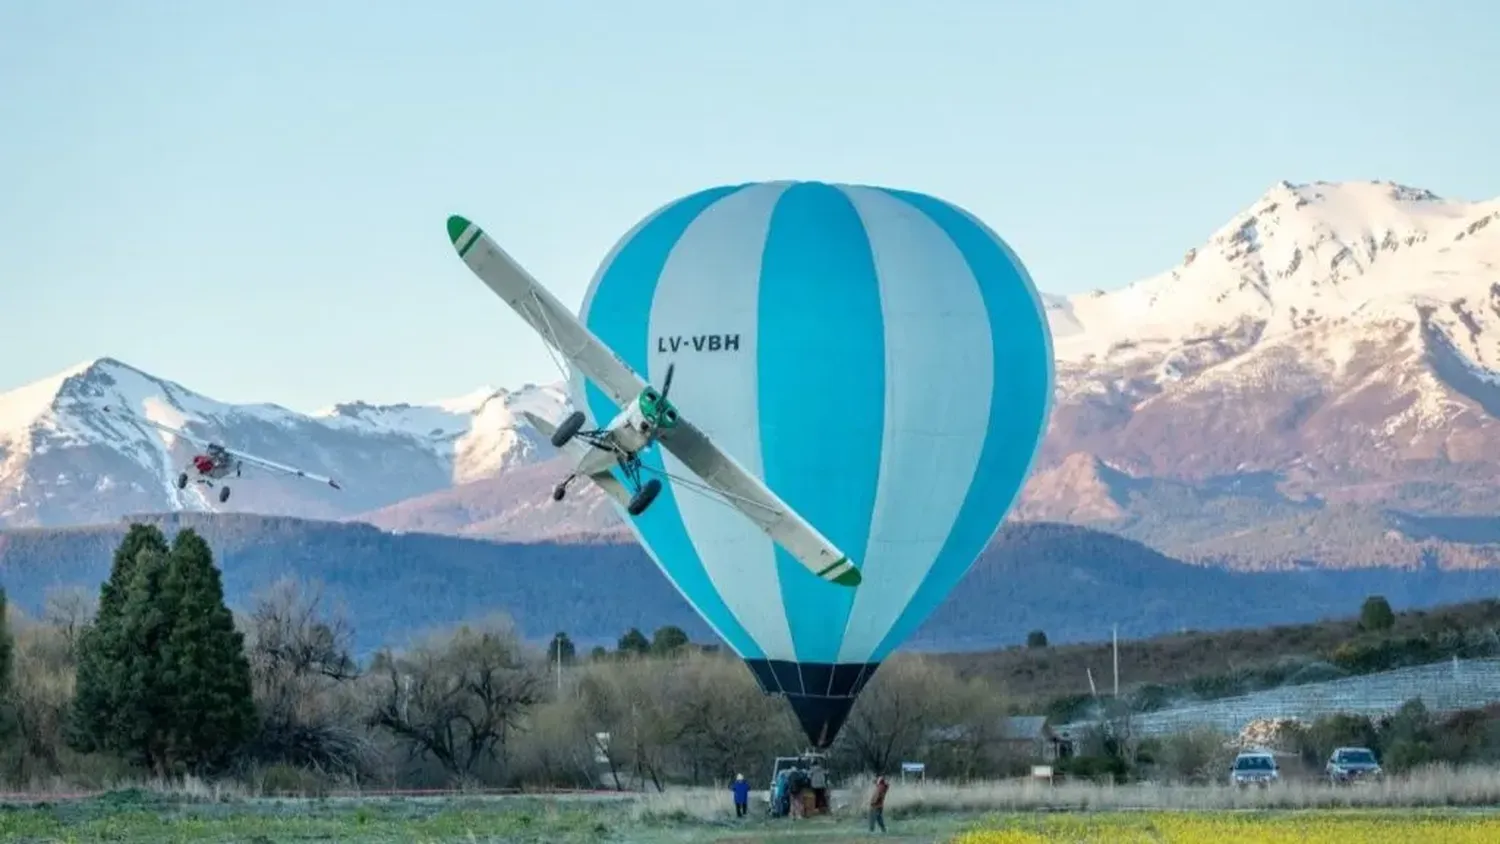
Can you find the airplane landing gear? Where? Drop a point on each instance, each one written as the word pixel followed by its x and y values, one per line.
pixel 644 496
pixel 559 491
pixel 568 429
pixel 223 494
pixel 182 480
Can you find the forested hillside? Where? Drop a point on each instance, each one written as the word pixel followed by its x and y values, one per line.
pixel 1072 582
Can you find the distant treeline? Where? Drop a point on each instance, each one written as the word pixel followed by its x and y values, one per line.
pixel 1072 582
pixel 157 678
pixel 1168 671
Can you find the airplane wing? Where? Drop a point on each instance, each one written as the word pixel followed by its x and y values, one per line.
pixel 541 310
pixel 748 494
pixel 284 469
pixel 722 474
pixel 158 426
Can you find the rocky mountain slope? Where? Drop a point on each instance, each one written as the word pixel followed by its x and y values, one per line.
pixel 1328 357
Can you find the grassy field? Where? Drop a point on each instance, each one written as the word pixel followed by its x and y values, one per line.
pixel 1437 807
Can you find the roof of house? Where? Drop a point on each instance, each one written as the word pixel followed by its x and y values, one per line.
pixel 1025 726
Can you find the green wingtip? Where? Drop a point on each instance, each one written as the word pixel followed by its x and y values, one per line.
pixel 852 577
pixel 456 227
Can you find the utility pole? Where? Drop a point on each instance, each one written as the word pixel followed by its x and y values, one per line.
pixel 557 640
pixel 1115 637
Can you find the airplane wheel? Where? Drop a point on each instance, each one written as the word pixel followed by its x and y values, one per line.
pixel 223 494
pixel 642 499
pixel 182 481
pixel 558 492
pixel 568 429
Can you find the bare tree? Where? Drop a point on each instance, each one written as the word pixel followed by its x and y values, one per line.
pixel 68 611
pixel 40 700
pixel 552 750
pixel 908 702
pixel 300 664
pixel 969 739
pixel 457 701
pixel 727 722
pixel 295 637
pixel 602 712
pixel 645 705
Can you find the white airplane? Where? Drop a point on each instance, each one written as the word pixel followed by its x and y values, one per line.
pixel 646 417
pixel 216 462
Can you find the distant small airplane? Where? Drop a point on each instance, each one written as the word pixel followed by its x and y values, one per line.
pixel 646 417
pixel 216 462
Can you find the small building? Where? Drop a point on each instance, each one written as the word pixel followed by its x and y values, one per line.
pixel 1029 737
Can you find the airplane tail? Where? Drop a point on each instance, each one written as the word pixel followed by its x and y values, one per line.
pixel 546 428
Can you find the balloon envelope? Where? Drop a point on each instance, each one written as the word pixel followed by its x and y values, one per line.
pixel 880 358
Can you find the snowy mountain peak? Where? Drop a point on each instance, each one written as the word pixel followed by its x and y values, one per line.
pixel 479 431
pixel 66 409
pixel 471 402
pixel 1301 254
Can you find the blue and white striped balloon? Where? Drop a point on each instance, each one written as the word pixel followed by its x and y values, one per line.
pixel 880 358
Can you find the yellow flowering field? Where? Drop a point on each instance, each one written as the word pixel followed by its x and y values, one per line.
pixel 1239 828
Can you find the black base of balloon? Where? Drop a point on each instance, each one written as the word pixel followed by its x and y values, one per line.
pixel 821 694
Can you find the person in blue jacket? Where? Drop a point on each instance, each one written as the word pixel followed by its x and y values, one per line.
pixel 780 800
pixel 741 790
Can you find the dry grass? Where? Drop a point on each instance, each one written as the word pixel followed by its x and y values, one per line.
pixel 1436 786
pixel 187 789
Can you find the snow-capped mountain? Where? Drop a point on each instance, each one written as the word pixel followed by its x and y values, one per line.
pixel 1336 324
pixel 1300 255
pixel 1339 343
pixel 65 460
pixel 1329 355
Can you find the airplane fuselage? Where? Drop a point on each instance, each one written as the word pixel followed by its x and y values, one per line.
pixel 215 466
pixel 632 431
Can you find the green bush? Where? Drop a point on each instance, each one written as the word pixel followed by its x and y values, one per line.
pixel 1375 614
pixel 1095 768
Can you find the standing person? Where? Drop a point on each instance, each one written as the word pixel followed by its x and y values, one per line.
pixel 819 779
pixel 796 783
pixel 877 804
pixel 741 790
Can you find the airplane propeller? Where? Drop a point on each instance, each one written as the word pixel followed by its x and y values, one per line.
pixel 666 384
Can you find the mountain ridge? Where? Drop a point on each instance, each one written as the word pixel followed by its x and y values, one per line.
pixel 1314 376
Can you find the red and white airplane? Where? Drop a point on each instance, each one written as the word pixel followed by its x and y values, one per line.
pixel 215 462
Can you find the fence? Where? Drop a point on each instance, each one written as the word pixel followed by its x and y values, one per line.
pixel 1442 687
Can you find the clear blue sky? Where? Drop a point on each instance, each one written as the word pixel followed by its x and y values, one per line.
pixel 249 198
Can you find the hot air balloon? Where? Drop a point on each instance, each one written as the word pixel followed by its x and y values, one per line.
pixel 880 358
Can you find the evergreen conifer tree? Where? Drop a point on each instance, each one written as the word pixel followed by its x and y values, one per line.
pixel 204 657
pixel 7 677
pixel 163 679
pixel 140 689
pixel 102 650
